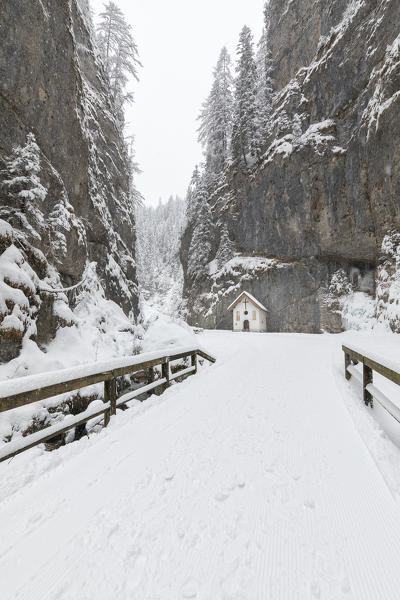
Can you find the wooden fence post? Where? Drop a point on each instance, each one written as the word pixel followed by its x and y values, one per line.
pixel 165 373
pixel 367 379
pixel 194 362
pixel 110 395
pixel 347 362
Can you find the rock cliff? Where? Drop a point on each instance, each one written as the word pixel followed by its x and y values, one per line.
pixel 64 192
pixel 321 201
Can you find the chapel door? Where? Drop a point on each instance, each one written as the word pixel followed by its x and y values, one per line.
pixel 246 325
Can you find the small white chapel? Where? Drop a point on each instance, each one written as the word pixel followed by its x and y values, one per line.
pixel 248 313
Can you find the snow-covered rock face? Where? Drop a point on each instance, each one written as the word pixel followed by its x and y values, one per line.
pixel 64 185
pixel 330 177
pixel 325 191
pixel 286 288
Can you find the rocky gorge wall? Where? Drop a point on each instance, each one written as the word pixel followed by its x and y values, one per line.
pixel 65 205
pixel 326 191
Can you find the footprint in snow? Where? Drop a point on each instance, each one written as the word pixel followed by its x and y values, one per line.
pixel 222 496
pixel 309 503
pixel 345 586
pixel 316 590
pixel 169 476
pixel 190 589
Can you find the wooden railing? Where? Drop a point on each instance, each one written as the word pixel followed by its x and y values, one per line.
pixel 15 393
pixel 352 357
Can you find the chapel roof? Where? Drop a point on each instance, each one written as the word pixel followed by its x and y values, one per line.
pixel 252 300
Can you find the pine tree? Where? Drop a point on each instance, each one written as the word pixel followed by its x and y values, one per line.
pixel 191 196
pixel 216 116
pixel 22 184
pixel 244 134
pixel 265 89
pixel 203 229
pixel 135 196
pixel 226 249
pixel 119 51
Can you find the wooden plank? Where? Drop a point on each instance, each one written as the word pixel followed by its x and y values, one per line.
pixel 131 369
pixel 172 357
pixel 353 354
pixel 11 449
pixel 110 397
pixel 17 400
pixel 199 352
pixel 106 399
pixel 384 401
pixel 347 362
pixel 166 374
pixel 385 371
pixel 193 361
pixel 183 373
pixel 208 357
pixel 113 396
pixel 113 400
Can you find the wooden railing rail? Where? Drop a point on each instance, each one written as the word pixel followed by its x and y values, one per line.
pixel 22 391
pixel 370 364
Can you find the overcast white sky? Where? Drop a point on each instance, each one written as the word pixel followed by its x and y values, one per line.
pixel 179 43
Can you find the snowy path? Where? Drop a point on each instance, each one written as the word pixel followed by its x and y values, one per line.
pixel 246 482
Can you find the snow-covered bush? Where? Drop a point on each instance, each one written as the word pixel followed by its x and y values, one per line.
pixel 339 284
pixel 332 300
pixel 391 247
pixel 19 301
pixel 388 283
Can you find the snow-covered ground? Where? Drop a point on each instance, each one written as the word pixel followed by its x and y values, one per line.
pixel 163 331
pixel 261 478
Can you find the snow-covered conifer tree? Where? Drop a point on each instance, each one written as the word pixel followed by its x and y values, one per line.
pixel 226 249
pixel 191 196
pixel 216 116
pixel 203 230
pixel 244 133
pixel 22 184
pixel 136 197
pixel 265 88
pixel 119 51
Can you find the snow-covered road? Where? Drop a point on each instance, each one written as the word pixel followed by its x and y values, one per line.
pixel 249 481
